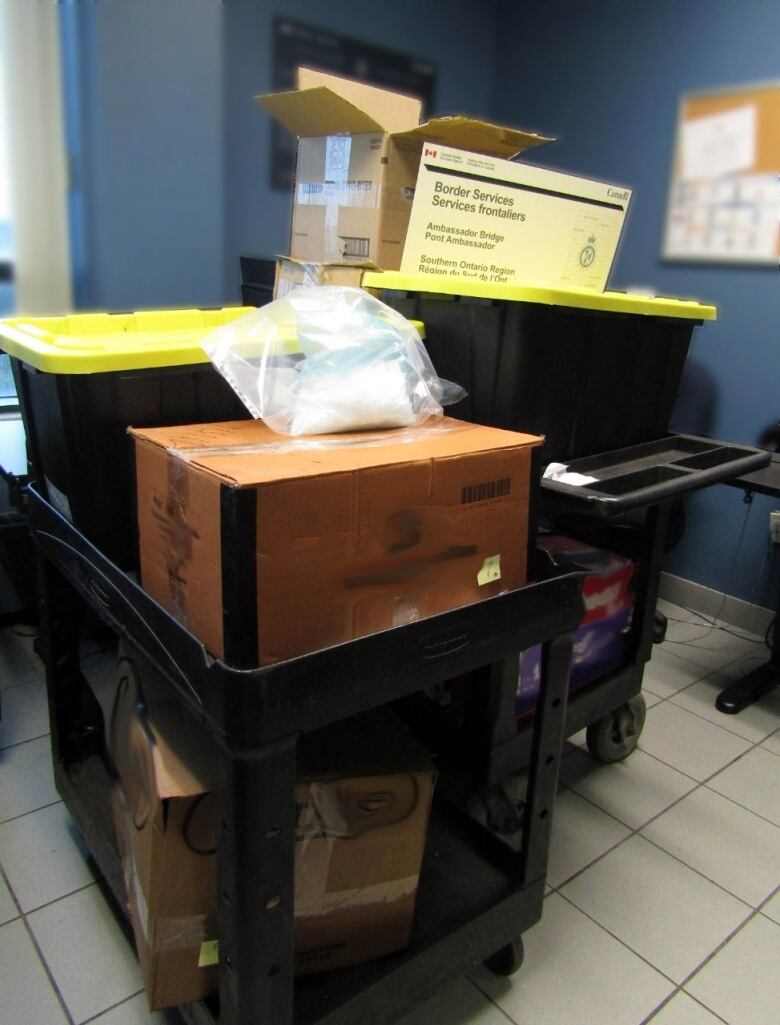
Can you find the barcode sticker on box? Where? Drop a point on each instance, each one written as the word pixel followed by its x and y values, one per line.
pixel 356 248
pixel 485 492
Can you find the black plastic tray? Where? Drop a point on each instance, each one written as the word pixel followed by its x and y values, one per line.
pixel 646 474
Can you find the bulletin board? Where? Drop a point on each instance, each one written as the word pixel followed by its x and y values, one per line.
pixel 724 194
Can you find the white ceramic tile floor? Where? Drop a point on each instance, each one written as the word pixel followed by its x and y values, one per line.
pixel 665 911
pixel 688 743
pixel 665 907
pixel 8 908
pixel 113 974
pixel 582 833
pixel 754 723
pixel 772 908
pixel 667 673
pixel 43 856
pixel 25 713
pixel 773 743
pixel 26 779
pixel 683 1010
pixel 703 830
pixel 576 972
pixel 633 791
pixel 134 1011
pixel 747 962
pixel 753 781
pixel 26 994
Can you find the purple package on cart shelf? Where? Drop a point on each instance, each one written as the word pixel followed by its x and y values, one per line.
pixel 599 643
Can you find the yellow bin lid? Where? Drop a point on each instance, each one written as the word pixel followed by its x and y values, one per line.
pixel 93 343
pixel 580 298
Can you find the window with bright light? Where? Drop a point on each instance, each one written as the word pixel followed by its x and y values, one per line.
pixel 7 390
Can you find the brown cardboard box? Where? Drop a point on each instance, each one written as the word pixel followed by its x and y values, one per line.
pixel 268 547
pixel 363 797
pixel 359 151
pixel 163 815
pixel 292 274
pixel 364 794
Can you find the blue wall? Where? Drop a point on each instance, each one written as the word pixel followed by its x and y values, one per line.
pixel 144 103
pixel 169 151
pixel 606 78
pixel 457 35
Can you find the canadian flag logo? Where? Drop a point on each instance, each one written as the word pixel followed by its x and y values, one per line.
pixel 430 152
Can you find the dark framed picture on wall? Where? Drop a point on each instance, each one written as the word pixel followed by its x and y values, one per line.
pixel 296 44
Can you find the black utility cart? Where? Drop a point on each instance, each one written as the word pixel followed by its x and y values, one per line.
pixel 483 875
pixel 597 374
pixel 627 510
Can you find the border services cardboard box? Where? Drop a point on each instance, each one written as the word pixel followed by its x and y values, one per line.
pixel 363 798
pixel 358 154
pixel 267 547
pixel 485 219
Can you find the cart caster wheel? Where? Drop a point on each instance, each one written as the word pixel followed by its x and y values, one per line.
pixel 507 960
pixel 614 737
pixel 660 623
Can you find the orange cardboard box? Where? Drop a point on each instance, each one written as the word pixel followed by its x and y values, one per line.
pixel 267 547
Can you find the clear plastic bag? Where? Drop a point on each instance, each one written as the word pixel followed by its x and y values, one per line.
pixel 326 360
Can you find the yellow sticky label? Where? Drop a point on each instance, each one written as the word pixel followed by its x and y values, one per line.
pixel 209 953
pixel 491 570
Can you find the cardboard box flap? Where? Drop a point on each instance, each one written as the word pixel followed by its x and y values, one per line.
pixel 178 771
pixel 312 112
pixel 245 453
pixel 149 727
pixel 475 135
pixel 328 105
pixel 394 111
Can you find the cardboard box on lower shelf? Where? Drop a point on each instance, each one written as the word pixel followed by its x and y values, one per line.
pixel 268 547
pixel 362 801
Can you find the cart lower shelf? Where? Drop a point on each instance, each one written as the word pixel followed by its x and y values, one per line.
pixel 469 905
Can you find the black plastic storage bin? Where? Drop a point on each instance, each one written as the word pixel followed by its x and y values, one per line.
pixel 598 375
pixel 257 280
pixel 83 379
pixel 590 371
